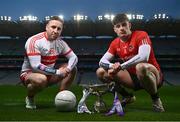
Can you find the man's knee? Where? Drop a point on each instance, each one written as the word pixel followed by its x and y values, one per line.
pixel 102 75
pixel 39 80
pixel 74 70
pixel 100 72
pixel 146 75
pixel 142 70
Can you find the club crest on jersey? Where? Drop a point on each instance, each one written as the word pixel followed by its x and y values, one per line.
pixel 130 48
pixel 52 51
pixel 45 50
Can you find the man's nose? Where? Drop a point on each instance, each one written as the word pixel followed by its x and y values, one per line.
pixel 120 27
pixel 55 30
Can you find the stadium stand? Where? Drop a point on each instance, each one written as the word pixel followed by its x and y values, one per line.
pixel 90 40
pixel 89 51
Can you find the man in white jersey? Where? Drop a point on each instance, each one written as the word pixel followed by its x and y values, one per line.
pixel 42 51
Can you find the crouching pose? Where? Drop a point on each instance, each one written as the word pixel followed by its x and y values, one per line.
pixel 139 69
pixel 42 51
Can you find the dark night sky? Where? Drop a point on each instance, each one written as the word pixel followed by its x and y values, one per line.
pixel 91 8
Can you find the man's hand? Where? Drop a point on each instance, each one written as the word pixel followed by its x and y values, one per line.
pixel 116 66
pixel 64 71
pixel 114 69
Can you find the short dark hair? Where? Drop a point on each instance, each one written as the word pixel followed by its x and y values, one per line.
pixel 119 18
pixel 55 18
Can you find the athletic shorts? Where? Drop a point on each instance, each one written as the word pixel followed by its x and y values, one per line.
pixel 137 85
pixel 23 76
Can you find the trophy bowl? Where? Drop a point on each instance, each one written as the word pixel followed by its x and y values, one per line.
pixel 98 90
pixel 96 87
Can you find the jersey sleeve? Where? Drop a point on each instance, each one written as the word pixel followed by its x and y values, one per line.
pixel 112 48
pixel 143 39
pixel 66 49
pixel 32 47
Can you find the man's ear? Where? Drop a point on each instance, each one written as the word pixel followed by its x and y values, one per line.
pixel 130 25
pixel 115 30
pixel 46 27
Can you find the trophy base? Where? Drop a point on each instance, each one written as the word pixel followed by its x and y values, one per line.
pixel 100 106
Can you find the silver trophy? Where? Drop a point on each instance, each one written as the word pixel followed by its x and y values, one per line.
pixel 94 89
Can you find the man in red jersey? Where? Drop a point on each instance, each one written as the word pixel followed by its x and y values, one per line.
pixel 139 69
pixel 42 51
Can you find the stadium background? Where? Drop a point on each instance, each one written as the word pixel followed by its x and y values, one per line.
pixel 89 39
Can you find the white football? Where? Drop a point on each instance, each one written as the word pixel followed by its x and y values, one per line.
pixel 65 101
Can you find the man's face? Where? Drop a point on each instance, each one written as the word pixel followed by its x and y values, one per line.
pixel 54 29
pixel 123 29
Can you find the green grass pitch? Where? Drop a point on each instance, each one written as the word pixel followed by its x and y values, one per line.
pixel 12 106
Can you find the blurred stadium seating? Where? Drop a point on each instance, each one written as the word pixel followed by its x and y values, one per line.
pixel 90 40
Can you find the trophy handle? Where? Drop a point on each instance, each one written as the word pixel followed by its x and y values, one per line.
pixel 82 108
pixel 86 93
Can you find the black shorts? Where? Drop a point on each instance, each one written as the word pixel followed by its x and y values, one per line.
pixel 137 85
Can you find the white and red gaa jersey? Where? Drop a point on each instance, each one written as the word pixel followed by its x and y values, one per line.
pixel 48 50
